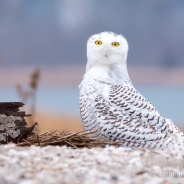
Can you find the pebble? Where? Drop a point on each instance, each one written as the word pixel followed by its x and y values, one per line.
pixel 109 165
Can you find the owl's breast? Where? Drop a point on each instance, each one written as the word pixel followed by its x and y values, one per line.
pixel 88 93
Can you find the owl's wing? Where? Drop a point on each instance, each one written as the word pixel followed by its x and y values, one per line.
pixel 124 114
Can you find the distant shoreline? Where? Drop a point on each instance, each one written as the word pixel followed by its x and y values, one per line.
pixel 72 75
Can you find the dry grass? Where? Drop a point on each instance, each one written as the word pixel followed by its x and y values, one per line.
pixel 74 140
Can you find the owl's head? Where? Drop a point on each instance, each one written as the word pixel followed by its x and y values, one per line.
pixel 106 48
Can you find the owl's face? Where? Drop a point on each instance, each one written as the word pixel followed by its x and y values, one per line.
pixel 107 48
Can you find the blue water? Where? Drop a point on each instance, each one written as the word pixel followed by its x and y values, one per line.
pixel 168 100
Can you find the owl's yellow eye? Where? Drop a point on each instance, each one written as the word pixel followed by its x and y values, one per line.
pixel 98 42
pixel 115 44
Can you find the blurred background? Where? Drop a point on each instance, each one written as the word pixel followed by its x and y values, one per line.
pixel 43 53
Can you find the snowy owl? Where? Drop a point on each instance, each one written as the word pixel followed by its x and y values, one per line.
pixel 113 108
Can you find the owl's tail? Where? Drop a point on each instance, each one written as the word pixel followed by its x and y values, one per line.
pixel 176 134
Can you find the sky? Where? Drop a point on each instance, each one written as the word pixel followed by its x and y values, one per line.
pixel 52 33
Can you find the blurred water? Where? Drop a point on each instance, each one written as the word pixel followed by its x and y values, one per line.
pixel 168 100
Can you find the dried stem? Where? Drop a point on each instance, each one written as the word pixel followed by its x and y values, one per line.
pixel 30 93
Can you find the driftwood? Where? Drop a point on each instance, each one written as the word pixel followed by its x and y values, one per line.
pixel 12 123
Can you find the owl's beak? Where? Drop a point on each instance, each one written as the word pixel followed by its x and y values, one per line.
pixel 107 52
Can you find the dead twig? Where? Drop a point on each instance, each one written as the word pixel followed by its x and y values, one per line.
pixel 38 139
pixel 75 140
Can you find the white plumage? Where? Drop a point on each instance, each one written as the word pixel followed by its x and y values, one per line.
pixel 110 105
